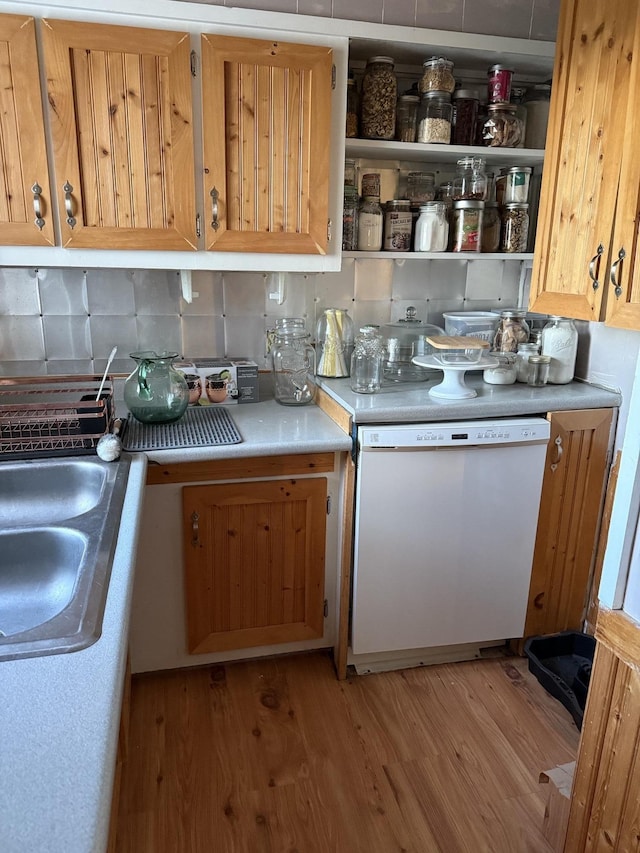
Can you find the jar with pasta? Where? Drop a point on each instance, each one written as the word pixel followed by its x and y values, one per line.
pixel 437 75
pixel 515 228
pixel 434 124
pixel 502 127
pixel 378 100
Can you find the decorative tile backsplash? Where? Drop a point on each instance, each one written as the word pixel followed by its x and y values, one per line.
pixel 67 321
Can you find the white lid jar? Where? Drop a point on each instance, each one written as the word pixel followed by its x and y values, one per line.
pixel 560 342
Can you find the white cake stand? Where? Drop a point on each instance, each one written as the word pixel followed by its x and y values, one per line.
pixel 452 386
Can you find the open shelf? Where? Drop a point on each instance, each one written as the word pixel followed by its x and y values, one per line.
pixel 443 256
pixel 376 149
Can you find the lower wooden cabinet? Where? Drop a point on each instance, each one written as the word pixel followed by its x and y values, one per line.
pixel 570 506
pixel 254 562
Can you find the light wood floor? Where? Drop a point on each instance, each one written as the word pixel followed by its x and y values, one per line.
pixel 278 756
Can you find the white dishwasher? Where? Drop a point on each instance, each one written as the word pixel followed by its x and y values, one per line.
pixel 445 527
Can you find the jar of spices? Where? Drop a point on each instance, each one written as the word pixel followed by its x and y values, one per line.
pixel 407 118
pixel 467 225
pixel 499 84
pixel 370 222
pixel 491 227
pixel 437 75
pixel 350 219
pixel 397 226
pixel 367 361
pixel 537 102
pixel 293 362
pixel 538 370
pixel 516 185
pixel 560 343
pixel 378 101
pixel 522 360
pixel 432 228
pixel 465 114
pixel 512 331
pixel 434 123
pixel 502 128
pixel 353 107
pixel 515 228
pixel 471 179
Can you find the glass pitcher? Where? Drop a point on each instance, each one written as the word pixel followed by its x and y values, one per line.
pixel 156 393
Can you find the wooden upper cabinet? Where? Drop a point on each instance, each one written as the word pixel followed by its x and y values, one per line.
pixel 120 106
pixel 587 129
pixel 266 125
pixel 25 194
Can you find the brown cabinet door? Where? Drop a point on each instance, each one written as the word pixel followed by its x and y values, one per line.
pixel 572 493
pixel 24 174
pixel 121 120
pixel 266 125
pixel 587 128
pixel 254 563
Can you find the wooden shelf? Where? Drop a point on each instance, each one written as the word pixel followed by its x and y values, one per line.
pixel 443 256
pixel 375 149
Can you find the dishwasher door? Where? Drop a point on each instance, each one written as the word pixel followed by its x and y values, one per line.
pixel 446 518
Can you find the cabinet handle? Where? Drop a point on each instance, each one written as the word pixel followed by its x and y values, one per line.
pixel 594 267
pixel 195 529
pixel 215 195
pixel 36 189
pixel 68 204
pixel 559 452
pixel 614 271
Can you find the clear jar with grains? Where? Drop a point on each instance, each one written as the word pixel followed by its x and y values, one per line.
pixel 370 224
pixel 465 115
pixel 512 331
pixel 432 228
pixel 515 228
pixel 353 108
pixel 407 118
pixel 491 227
pixel 467 225
pixel 434 121
pixel 471 179
pixel 293 362
pixel 367 361
pixel 560 343
pixel 522 362
pixel 437 75
pixel 421 187
pixel 502 128
pixel 378 99
pixel 516 185
pixel 397 226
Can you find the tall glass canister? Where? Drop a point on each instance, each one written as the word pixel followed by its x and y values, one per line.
pixel 367 361
pixel 560 342
pixel 293 362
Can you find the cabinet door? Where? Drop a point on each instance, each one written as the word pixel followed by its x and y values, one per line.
pixel 266 124
pixel 121 121
pixel 572 492
pixel 582 161
pixel 254 563
pixel 24 175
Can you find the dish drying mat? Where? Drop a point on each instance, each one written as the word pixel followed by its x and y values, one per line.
pixel 199 427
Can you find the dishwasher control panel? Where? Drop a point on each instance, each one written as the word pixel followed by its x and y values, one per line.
pixel 468 433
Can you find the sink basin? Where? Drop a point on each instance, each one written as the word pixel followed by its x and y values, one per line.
pixel 59 521
pixel 49 490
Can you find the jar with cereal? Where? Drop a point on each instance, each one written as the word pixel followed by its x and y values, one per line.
pixel 434 124
pixel 378 102
pixel 437 75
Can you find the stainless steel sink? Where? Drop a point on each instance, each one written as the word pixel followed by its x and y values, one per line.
pixel 59 521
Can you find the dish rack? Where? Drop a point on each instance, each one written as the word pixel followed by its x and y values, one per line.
pixel 53 415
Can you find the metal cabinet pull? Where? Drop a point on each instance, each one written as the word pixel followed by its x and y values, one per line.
pixel 559 452
pixel 614 271
pixel 215 195
pixel 195 529
pixel 36 189
pixel 594 267
pixel 68 204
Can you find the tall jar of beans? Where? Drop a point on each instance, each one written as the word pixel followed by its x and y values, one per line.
pixel 378 99
pixel 515 228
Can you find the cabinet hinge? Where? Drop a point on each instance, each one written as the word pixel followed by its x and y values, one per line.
pixel 194 64
pixel 329 223
pixel 326 608
pixel 328 504
pixel 333 76
pixel 198 226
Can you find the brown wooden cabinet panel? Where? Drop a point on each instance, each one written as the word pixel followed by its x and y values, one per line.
pixel 570 505
pixel 121 119
pixel 266 124
pixel 254 563
pixel 23 156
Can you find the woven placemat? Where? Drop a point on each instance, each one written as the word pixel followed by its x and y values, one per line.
pixel 200 426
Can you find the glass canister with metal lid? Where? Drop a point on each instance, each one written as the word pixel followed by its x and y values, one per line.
pixel 502 127
pixel 367 361
pixel 434 119
pixel 512 331
pixel 378 99
pixel 437 75
pixel 471 179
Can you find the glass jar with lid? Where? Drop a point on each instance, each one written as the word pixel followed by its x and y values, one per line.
pixel 432 228
pixel 502 127
pixel 367 361
pixel 512 331
pixel 516 185
pixel 407 118
pixel 467 225
pixel 334 342
pixel 538 374
pixel 471 179
pixel 434 122
pixel 353 107
pixel 504 373
pixel 537 103
pixel 515 228
pixel 560 343
pixel 350 219
pixel 465 114
pixel 522 362
pixel 378 99
pixel 370 224
pixel 437 75
pixel 421 187
pixel 293 362
pixel 397 225
pixel 491 227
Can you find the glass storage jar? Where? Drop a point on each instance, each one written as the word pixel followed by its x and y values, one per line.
pixel 421 187
pixel 538 370
pixel 293 362
pixel 350 220
pixel 522 362
pixel 334 342
pixel 432 228
pixel 437 75
pixel 471 179
pixel 378 99
pixel 560 343
pixel 367 361
pixel 370 224
pixel 353 108
pixel 465 115
pixel 397 226
pixel 502 128
pixel 490 227
pixel 537 102
pixel 512 331
pixel 407 117
pixel 467 225
pixel 434 123
pixel 505 371
pixel 515 228
pixel 516 185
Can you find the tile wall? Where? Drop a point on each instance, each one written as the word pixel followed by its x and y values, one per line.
pixel 55 321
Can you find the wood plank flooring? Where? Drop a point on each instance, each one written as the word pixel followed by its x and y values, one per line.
pixel 277 756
